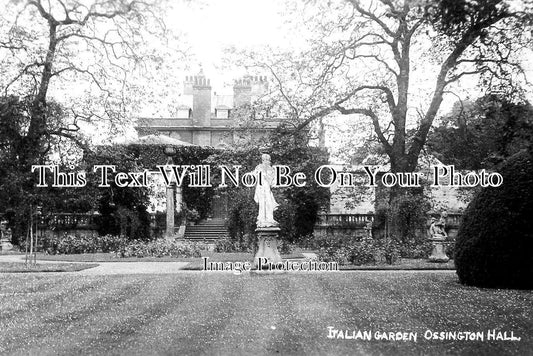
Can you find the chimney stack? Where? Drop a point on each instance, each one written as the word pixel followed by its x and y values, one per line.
pixel 259 86
pixel 200 88
pixel 242 92
pixel 248 89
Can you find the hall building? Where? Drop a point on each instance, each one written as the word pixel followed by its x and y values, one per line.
pixel 204 118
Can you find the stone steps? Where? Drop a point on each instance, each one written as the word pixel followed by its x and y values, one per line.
pixel 213 229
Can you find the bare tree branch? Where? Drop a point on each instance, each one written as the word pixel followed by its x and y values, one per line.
pixel 375 122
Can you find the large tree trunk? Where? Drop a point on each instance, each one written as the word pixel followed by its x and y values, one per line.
pixel 31 148
pixel 397 196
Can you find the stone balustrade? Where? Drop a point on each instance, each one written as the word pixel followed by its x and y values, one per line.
pixel 354 224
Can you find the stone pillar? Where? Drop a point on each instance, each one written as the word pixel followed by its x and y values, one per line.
pixel 267 245
pixel 179 199
pixel 179 207
pixel 171 191
pixel 169 233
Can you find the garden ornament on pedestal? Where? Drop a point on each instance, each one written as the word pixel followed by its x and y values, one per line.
pixel 438 235
pixel 267 228
pixel 5 237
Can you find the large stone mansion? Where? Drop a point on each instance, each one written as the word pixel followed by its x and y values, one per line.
pixel 207 119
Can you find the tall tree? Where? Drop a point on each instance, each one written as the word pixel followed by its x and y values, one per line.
pixel 483 133
pixel 393 62
pixel 68 67
pixel 73 62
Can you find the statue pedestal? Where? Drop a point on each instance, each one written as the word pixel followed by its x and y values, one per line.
pixel 267 245
pixel 438 254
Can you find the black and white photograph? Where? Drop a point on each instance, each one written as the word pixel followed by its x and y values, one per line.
pixel 252 177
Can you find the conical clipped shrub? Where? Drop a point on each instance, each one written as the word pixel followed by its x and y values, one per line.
pixel 494 246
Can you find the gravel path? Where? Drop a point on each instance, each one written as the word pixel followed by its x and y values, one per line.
pixel 107 268
pixel 21 259
pixel 111 268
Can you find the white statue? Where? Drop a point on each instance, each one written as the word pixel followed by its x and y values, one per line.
pixel 263 195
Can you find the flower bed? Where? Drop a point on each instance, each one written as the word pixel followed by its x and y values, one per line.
pixel 159 248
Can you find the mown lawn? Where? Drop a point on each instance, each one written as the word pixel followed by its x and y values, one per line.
pixel 222 313
pixel 17 267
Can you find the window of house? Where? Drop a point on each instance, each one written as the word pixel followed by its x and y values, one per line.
pixel 222 113
pixel 184 113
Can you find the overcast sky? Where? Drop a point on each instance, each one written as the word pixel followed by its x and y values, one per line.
pixel 210 26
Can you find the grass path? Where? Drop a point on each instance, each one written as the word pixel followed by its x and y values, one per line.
pixel 219 313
